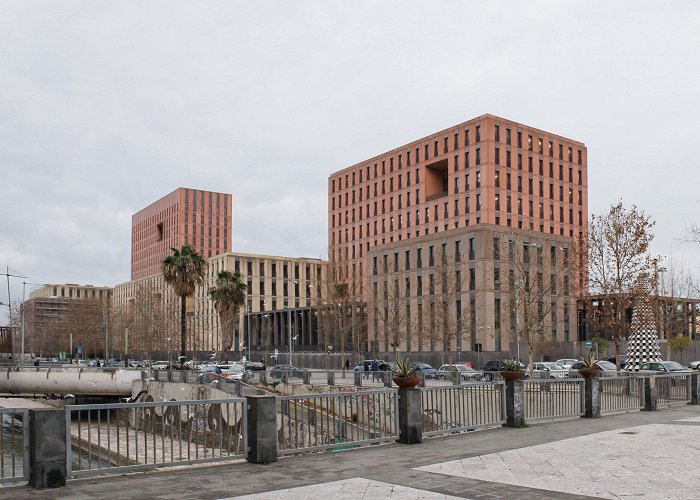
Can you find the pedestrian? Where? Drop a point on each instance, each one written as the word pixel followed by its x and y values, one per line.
pixel 382 366
pixel 375 371
pixel 347 365
pixel 365 368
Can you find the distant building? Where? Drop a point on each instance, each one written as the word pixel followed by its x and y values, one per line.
pixel 68 317
pixel 483 180
pixel 280 290
pixel 201 219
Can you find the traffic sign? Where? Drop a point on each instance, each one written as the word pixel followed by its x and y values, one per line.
pixel 589 345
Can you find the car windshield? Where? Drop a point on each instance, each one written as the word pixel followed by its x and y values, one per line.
pixel 672 366
pixel 553 366
pixel 236 368
pixel 423 366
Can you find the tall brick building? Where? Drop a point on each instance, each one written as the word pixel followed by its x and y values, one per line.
pixel 488 179
pixel 201 219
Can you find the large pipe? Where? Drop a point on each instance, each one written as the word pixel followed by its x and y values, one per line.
pixel 78 382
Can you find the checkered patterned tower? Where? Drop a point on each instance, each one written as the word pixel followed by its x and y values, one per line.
pixel 642 345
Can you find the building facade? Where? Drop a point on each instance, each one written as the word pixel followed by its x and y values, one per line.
pixel 201 219
pixel 488 175
pixel 282 291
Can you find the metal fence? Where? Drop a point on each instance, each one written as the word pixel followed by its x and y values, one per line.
pixel 14 445
pixel 621 394
pixel 672 389
pixel 553 399
pixel 117 437
pixel 336 421
pixel 455 408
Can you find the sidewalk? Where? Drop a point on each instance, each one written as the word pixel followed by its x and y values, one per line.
pixel 650 455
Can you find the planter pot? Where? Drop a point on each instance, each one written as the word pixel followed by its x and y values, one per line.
pixel 517 375
pixel 407 382
pixel 589 372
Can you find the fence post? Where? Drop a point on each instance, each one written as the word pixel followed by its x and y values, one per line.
pixel 284 377
pixel 592 397
pixel 263 377
pixel 694 389
pixel 262 429
pixel 650 394
pixel 306 377
pixel 331 377
pixel 47 448
pixel 455 376
pixel 410 416
pixel 515 404
pixel 358 378
pixel 387 378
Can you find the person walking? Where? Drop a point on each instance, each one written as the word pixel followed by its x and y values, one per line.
pixel 375 371
pixel 365 367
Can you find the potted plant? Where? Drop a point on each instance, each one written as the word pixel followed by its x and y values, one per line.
pixel 589 368
pixel 405 373
pixel 512 369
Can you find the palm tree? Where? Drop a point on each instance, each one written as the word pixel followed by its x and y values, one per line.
pixel 228 295
pixel 184 270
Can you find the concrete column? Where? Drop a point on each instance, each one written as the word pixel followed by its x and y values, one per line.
pixel 650 393
pixel 387 378
pixel 695 389
pixel 262 429
pixel 515 404
pixel 284 378
pixel 454 377
pixel 47 448
pixel 358 378
pixel 331 377
pixel 410 417
pixel 263 377
pixel 306 377
pixel 592 397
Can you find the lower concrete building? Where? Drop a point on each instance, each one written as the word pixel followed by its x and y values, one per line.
pixel 485 288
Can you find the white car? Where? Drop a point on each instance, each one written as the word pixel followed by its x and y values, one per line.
pixel 694 365
pixel 548 369
pixel 161 365
pixel 234 372
pixel 567 362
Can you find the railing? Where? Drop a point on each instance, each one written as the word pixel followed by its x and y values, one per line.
pixel 455 408
pixel 553 399
pixel 336 421
pixel 672 389
pixel 108 438
pixel 621 394
pixel 14 444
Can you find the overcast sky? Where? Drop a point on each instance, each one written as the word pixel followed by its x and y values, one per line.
pixel 107 106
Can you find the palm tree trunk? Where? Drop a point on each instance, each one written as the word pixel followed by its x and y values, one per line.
pixel 183 325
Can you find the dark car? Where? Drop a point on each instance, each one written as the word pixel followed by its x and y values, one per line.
pixel 290 370
pixel 623 360
pixel 496 365
pixel 424 369
pixel 255 366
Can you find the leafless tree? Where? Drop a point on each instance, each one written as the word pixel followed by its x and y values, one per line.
pixel 618 256
pixel 389 304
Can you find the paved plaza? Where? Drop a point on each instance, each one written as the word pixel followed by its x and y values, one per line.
pixel 649 455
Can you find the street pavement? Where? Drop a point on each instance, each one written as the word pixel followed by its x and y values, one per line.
pixel 649 455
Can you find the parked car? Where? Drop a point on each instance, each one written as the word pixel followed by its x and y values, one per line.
pixel 694 365
pixel 290 370
pixel 496 365
pixel 234 372
pixel 424 369
pixel 607 369
pixel 623 360
pixel 566 362
pixel 548 369
pixel 360 366
pixel 657 367
pixel 255 366
pixel 465 372
pixel 161 365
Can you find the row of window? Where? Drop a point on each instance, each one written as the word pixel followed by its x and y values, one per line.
pixel 540 141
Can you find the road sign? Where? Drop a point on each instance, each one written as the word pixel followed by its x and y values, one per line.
pixel 589 345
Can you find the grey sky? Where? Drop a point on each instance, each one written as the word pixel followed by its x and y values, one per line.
pixel 107 106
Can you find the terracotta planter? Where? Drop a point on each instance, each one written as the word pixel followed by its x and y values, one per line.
pixel 516 375
pixel 407 382
pixel 589 372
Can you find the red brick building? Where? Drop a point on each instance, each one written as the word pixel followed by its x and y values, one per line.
pixel 186 216
pixel 483 194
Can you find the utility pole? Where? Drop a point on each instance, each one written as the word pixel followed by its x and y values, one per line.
pixel 9 298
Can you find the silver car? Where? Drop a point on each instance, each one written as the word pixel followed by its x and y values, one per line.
pixel 548 369
pixel 465 373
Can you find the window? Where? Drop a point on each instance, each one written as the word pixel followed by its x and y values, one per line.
pixel 478 133
pixel 471 248
pixel 496 248
pixel 498 156
pixel 431 256
pixel 407 263
pixel 472 279
pixel 458 251
pixel 508 135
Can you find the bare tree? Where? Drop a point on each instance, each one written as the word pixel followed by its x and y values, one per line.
pixel 449 317
pixel 617 253
pixel 389 303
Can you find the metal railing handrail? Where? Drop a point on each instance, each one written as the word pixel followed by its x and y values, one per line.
pixel 24 412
